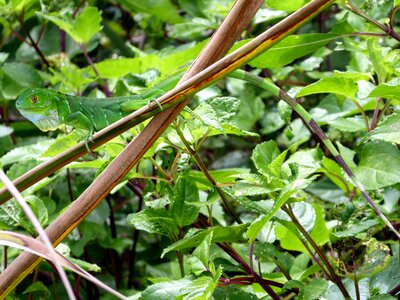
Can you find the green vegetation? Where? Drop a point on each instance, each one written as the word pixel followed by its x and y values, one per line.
pixel 280 181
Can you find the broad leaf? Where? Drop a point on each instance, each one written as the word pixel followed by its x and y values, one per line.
pixel 379 165
pixel 342 86
pixel 18 76
pixel 263 155
pixel 220 234
pixel 154 221
pixel 185 192
pixel 387 130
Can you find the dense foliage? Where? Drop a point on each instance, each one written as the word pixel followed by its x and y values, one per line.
pixel 238 191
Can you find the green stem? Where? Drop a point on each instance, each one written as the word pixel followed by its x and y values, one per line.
pixel 385 28
pixel 276 91
pixel 332 274
pixel 225 201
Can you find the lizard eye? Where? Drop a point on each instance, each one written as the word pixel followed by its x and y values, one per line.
pixel 34 99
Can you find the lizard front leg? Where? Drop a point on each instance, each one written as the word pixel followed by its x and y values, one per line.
pixel 79 120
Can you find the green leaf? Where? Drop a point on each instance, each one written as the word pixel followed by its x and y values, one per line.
pixel 376 57
pixel 263 155
pixel 202 252
pixel 267 252
pixel 87 24
pixel 208 116
pixel 38 288
pixel 308 161
pixel 342 86
pixel 17 77
pixel 388 129
pixel 376 258
pixel 285 5
pixel 162 9
pixel 225 107
pixel 289 190
pixel 62 142
pixel 13 216
pixel 388 278
pixel 185 192
pixel 351 124
pixel 289 236
pixel 291 48
pixel 38 208
pixel 232 292
pixel 83 28
pixel 166 290
pixel 220 234
pixel 201 288
pixel 386 90
pixel 315 289
pixel 354 228
pixel 25 153
pixel 154 221
pixel 379 165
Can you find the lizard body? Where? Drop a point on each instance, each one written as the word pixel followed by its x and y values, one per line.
pixel 48 109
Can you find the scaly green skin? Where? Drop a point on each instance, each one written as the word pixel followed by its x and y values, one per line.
pixel 48 109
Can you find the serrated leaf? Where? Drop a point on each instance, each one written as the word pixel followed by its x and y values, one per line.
pixel 308 161
pixel 220 234
pixel 86 24
pixel 17 77
pixel 376 57
pixel 185 192
pixel 208 116
pixel 263 155
pixel 200 288
pixel 38 208
pixel 387 130
pixel 202 252
pixel 61 143
pixel 166 290
pixel 83 28
pixel 13 216
pixel 225 107
pixel 154 221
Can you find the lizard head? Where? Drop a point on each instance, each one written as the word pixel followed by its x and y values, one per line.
pixel 40 107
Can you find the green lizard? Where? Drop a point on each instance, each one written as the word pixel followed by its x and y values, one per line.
pixel 48 109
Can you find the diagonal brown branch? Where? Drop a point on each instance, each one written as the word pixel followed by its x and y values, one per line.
pixel 194 84
pixel 66 222
pixel 234 24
